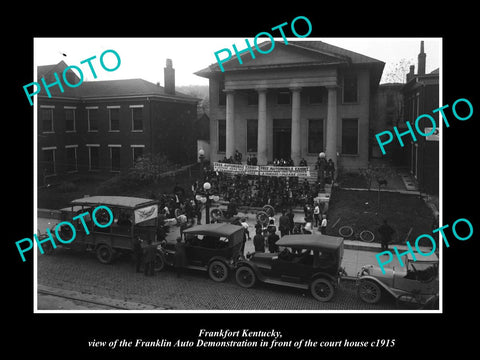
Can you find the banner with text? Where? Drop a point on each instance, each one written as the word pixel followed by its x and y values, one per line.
pixel 267 170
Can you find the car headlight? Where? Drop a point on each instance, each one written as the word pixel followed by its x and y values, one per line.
pixel 365 270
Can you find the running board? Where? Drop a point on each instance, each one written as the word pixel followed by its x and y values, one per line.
pixel 193 267
pixel 286 283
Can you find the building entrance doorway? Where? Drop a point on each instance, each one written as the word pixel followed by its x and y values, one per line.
pixel 282 135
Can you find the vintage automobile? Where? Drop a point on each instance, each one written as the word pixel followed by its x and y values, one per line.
pixel 132 216
pixel 414 285
pixel 214 248
pixel 306 262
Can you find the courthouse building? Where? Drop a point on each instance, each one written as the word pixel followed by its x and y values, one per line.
pixel 298 100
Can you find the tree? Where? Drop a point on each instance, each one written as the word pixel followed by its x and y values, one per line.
pixel 149 167
pixel 396 72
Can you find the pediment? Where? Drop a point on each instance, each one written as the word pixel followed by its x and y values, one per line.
pixel 281 55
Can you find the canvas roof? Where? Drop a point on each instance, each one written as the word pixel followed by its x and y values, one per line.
pixel 217 229
pixel 122 201
pixel 311 241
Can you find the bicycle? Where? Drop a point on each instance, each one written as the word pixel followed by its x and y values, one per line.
pixel 347 232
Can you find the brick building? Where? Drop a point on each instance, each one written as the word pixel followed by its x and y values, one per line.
pixel 421 96
pixel 387 111
pixel 299 100
pixel 103 126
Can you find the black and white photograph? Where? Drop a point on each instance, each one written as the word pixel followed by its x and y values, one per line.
pixel 261 186
pixel 286 183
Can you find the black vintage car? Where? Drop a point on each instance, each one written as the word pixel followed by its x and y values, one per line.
pixel 306 262
pixel 211 247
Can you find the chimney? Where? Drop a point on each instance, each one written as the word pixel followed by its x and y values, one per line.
pixel 169 78
pixel 411 74
pixel 421 60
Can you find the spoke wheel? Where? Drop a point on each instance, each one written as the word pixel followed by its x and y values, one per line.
pixel 218 271
pixel 345 231
pixel 104 253
pixel 369 292
pixel 367 236
pixel 322 289
pixel 245 277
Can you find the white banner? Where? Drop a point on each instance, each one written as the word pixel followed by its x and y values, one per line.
pixel 229 168
pixel 146 213
pixel 285 171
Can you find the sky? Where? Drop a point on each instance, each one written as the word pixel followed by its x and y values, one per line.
pixel 145 58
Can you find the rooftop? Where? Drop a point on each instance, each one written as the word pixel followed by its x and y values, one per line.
pixel 105 88
pixel 296 54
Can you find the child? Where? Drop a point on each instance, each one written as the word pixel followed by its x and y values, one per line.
pixel 323 225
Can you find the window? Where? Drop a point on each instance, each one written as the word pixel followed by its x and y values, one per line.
pixel 92 119
pixel 137 118
pixel 283 98
pixel 69 119
pixel 222 97
pixel 350 89
pixel 71 153
pixel 114 119
pixel 46 119
pixel 222 136
pixel 48 161
pixel 252 135
pixel 315 136
pixel 93 157
pixel 137 152
pixel 350 136
pixel 114 157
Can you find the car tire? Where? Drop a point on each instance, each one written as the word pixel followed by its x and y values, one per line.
pixel 104 253
pixel 369 291
pixel 245 277
pixel 159 263
pixel 322 289
pixel 218 271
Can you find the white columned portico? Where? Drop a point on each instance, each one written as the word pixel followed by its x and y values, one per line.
pixel 331 145
pixel 230 124
pixel 262 127
pixel 295 137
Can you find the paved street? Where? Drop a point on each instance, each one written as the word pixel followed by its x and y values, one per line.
pixel 80 271
pixel 70 270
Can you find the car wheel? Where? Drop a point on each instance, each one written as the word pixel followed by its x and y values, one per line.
pixel 322 289
pixel 245 277
pixel 369 291
pixel 159 262
pixel 218 271
pixel 104 253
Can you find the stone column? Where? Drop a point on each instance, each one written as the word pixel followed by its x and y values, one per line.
pixel 230 124
pixel 296 138
pixel 331 138
pixel 262 127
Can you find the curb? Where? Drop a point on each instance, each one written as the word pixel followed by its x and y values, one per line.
pixel 375 247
